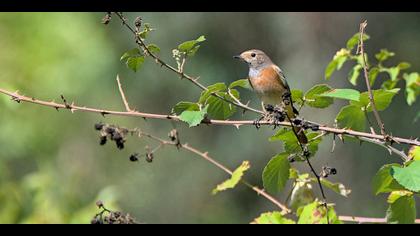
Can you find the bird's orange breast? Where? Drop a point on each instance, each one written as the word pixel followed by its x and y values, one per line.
pixel 267 81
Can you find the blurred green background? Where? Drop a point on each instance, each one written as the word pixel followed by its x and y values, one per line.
pixel 52 168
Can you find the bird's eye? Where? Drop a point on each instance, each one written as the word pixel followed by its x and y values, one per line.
pixel 253 54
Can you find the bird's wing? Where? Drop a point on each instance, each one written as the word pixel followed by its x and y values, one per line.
pixel 283 81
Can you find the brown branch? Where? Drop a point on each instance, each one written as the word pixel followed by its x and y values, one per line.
pixel 362 220
pixel 15 96
pixel 206 157
pixel 361 50
pixel 124 99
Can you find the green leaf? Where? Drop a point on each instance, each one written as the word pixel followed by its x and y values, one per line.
pixel 348 94
pixel 383 181
pixel 190 47
pixel 393 72
pixel 193 118
pixel 134 63
pixel 373 74
pixel 402 211
pixel 274 217
pixel 354 40
pixel 351 117
pixel 404 65
pixel 276 173
pixel 354 74
pixel 297 96
pixel 315 213
pixel 291 143
pixel 313 99
pixel 414 153
pixel 185 106
pixel 220 109
pixel 382 98
pixel 217 87
pixel 412 88
pixel 383 55
pixel 153 48
pixel 395 195
pixel 234 179
pixel 243 83
pixel 336 187
pixel 130 53
pixel 409 176
pixel 338 61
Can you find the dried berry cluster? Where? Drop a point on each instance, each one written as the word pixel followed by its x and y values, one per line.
pixel 111 217
pixel 148 156
pixel 327 171
pixel 113 133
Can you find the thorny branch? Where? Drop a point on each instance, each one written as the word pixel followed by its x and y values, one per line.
pixel 361 50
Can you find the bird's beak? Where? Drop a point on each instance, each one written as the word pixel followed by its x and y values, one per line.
pixel 237 57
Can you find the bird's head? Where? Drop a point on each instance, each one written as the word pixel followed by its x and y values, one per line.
pixel 254 58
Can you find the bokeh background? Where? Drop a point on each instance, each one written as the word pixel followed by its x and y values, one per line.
pixel 52 168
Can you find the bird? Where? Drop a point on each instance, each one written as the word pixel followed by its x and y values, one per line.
pixel 269 83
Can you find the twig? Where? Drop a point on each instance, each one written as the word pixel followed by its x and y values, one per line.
pixel 15 96
pixel 362 220
pixel 124 99
pixel 390 148
pixel 206 157
pixel 366 75
pixel 180 72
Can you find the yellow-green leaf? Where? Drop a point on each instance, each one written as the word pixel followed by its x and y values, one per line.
pixel 234 179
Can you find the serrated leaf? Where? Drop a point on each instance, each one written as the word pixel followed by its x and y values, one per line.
pixel 351 117
pixel 315 213
pixel 383 182
pixel 185 106
pixel 336 187
pixel 243 83
pixel 234 179
pixel 193 118
pixel 274 217
pixel 347 94
pixel 408 177
pixel 402 211
pixel 383 55
pixel 354 40
pixel 153 48
pixel 130 53
pixel 220 109
pixel 354 74
pixel 276 173
pixel 134 63
pixel 313 99
pixel 382 98
pixel 217 87
pixel 291 143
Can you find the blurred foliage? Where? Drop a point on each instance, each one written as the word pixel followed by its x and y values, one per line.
pixel 53 170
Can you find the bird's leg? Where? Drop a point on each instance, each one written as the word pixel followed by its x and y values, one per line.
pixel 268 111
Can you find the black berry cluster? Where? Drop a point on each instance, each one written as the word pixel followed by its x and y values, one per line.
pixel 112 133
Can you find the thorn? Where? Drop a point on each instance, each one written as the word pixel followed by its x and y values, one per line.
pixel 237 126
